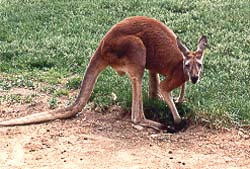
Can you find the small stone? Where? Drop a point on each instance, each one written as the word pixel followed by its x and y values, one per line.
pixel 38 158
pixel 138 127
pixel 170 152
pixel 61 135
pixel 171 158
pixel 101 128
pixel 154 136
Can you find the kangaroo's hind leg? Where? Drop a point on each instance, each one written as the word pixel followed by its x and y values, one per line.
pixel 133 62
pixel 137 116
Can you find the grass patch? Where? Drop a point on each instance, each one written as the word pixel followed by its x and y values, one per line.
pixel 53 102
pixel 47 41
pixel 74 83
pixel 158 111
pixel 17 98
pixel 9 81
pixel 61 92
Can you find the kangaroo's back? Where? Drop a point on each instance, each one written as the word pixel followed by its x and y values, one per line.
pixel 158 39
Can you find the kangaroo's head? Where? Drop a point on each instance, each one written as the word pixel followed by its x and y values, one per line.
pixel 192 63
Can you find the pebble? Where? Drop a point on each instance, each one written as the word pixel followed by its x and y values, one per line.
pixel 154 136
pixel 38 158
pixel 140 128
pixel 243 135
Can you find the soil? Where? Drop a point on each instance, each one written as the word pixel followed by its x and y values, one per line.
pixel 108 139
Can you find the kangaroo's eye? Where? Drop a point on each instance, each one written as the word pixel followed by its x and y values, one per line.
pixel 199 65
pixel 187 66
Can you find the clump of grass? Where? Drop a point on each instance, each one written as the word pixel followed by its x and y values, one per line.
pixel 53 102
pixel 61 92
pixel 48 89
pixel 8 82
pixel 17 98
pixel 74 83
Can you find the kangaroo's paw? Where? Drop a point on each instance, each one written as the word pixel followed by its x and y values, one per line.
pixel 152 124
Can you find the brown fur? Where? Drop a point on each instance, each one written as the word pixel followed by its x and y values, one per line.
pixel 134 44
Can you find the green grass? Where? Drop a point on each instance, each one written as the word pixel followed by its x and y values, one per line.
pixel 17 98
pixel 48 41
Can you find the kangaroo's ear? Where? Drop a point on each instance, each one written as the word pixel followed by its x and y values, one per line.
pixel 182 47
pixel 202 43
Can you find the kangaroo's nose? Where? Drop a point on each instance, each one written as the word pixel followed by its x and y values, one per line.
pixel 194 79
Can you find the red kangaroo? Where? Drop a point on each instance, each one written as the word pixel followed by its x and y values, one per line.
pixel 131 46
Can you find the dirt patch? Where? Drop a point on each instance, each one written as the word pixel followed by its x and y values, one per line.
pixel 108 140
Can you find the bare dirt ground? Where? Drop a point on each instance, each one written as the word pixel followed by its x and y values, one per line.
pixel 108 140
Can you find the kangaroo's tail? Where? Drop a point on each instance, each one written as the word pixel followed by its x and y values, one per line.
pixel 95 67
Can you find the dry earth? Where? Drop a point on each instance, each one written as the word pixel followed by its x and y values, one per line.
pixel 108 140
